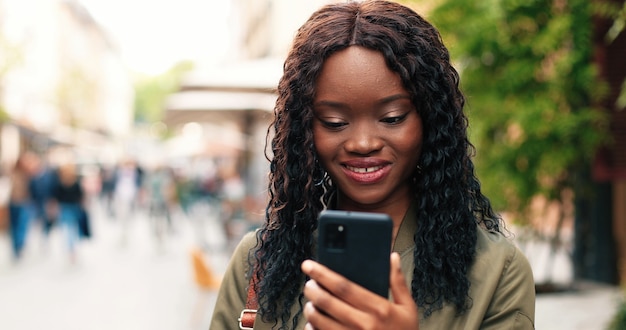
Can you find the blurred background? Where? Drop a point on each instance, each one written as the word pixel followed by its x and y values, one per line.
pixel 158 110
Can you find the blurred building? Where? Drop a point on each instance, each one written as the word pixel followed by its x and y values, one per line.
pixel 238 95
pixel 601 222
pixel 265 28
pixel 65 83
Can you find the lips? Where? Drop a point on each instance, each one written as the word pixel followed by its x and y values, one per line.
pixel 366 171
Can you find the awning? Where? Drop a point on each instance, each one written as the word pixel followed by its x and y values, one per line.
pixel 217 106
pixel 238 92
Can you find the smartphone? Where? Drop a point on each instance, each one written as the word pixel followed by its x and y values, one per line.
pixel 357 245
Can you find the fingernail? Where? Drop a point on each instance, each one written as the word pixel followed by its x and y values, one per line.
pixel 307 266
pixel 309 307
pixel 311 284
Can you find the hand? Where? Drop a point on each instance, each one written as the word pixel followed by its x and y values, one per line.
pixel 337 303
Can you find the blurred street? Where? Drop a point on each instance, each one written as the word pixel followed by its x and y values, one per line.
pixel 132 283
pixel 142 283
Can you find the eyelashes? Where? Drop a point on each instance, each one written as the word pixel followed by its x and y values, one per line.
pixel 333 124
pixel 395 120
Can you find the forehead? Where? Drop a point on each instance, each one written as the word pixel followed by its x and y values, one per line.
pixel 357 70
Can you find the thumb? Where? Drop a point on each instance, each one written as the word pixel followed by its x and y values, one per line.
pixel 399 290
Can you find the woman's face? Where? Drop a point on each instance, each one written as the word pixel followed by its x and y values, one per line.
pixel 368 134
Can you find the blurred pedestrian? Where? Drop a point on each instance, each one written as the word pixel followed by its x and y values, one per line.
pixel 5 192
pixel 233 193
pixel 69 197
pixel 160 191
pixel 126 195
pixel 185 190
pixel 41 185
pixel 108 176
pixel 139 203
pixel 20 202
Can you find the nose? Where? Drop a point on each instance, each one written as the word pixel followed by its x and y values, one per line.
pixel 363 140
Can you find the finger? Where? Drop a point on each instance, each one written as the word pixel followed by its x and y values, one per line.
pixel 407 313
pixel 327 278
pixel 340 299
pixel 338 285
pixel 316 319
pixel 399 289
pixel 326 303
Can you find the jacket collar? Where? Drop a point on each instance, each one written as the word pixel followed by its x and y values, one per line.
pixel 406 234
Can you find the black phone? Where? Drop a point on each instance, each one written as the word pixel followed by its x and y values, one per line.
pixel 357 245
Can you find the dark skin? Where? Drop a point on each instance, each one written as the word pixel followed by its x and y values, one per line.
pixel 346 305
pixel 368 137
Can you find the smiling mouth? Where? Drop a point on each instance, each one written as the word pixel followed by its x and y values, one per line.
pixel 364 169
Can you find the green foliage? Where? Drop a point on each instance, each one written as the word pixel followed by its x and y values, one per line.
pixel 613 11
pixel 4 116
pixel 530 86
pixel 151 92
pixel 10 55
pixel 616 13
pixel 619 319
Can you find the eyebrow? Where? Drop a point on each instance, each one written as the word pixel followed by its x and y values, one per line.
pixel 384 100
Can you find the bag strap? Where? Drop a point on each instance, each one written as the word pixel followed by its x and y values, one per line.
pixel 248 314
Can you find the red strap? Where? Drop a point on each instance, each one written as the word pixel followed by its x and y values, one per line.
pixel 246 319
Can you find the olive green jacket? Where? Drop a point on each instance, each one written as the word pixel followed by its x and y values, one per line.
pixel 502 286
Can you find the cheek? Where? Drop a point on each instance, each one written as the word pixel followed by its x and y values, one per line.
pixel 416 146
pixel 412 152
pixel 323 145
pixel 412 146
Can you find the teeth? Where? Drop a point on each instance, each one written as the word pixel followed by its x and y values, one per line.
pixel 364 169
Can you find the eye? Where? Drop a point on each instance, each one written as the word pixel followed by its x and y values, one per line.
pixel 394 120
pixel 333 124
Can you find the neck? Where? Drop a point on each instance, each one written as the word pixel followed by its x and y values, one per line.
pixel 395 209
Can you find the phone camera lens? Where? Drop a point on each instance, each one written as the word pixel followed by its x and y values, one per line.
pixel 336 236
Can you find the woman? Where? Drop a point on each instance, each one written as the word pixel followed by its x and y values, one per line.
pixel 369 117
pixel 69 197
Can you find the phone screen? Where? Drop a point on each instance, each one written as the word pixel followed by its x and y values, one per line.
pixel 357 245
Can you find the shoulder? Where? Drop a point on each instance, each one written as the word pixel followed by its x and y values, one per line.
pixel 494 250
pixel 497 254
pixel 232 296
pixel 496 245
pixel 502 276
pixel 242 251
pixel 247 242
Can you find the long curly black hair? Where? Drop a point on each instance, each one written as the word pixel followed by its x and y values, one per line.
pixel 448 199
